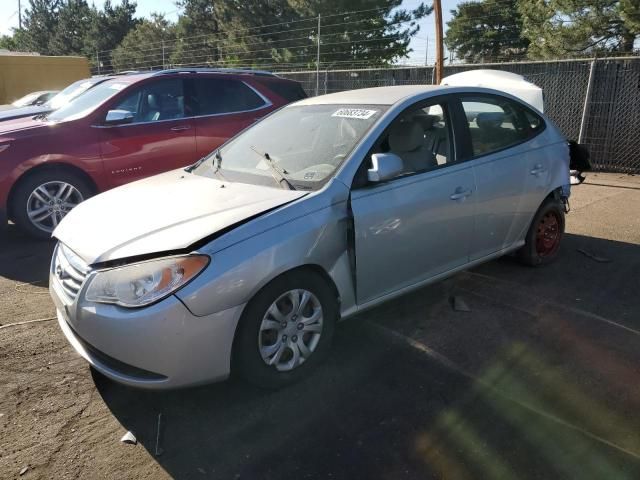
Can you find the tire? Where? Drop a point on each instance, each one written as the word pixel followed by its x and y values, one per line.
pixel 543 239
pixel 254 336
pixel 29 197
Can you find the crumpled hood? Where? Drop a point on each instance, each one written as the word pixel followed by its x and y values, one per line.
pixel 167 212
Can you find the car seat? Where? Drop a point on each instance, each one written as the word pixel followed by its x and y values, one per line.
pixel 407 140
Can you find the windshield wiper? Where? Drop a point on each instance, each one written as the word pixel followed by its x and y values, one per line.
pixel 280 173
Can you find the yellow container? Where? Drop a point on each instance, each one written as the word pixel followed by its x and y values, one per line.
pixel 22 74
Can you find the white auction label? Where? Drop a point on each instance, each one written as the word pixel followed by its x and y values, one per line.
pixel 355 113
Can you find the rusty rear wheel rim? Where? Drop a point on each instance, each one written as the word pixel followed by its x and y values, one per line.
pixel 548 234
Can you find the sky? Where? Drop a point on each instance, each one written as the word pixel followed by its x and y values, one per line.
pixel 426 36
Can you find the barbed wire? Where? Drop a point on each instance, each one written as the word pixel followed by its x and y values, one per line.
pixel 341 42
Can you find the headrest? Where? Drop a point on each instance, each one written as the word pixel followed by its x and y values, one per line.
pixel 152 101
pixel 426 121
pixel 406 136
pixel 490 120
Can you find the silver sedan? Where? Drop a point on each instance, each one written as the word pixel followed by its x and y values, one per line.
pixel 245 261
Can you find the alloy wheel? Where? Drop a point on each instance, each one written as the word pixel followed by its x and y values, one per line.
pixel 50 202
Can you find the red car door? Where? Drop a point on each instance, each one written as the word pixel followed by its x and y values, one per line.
pixel 155 138
pixel 224 107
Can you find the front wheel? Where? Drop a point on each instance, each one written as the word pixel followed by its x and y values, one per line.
pixel 286 330
pixel 43 199
pixel 542 242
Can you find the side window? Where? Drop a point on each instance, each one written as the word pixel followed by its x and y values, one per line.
pixel 219 95
pixel 496 123
pixel 162 100
pixel 420 136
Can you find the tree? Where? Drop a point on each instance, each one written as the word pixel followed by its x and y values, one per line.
pixel 486 31
pixel 142 47
pixel 73 19
pixel 284 32
pixel 197 31
pixel 566 28
pixel 8 43
pixel 371 33
pixel 108 28
pixel 38 26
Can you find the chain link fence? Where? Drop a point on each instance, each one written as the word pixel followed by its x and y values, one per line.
pixel 611 120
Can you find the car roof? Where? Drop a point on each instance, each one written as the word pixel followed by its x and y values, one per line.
pixel 372 96
pixel 135 76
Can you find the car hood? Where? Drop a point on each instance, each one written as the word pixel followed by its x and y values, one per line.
pixel 167 212
pixel 11 127
pixel 22 112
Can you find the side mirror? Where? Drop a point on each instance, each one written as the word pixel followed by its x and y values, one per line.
pixel 385 167
pixel 118 117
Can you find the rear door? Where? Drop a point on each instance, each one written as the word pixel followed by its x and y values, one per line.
pixel 158 139
pixel 223 107
pixel 510 165
pixel 420 224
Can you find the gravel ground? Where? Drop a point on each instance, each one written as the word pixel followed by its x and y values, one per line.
pixel 540 379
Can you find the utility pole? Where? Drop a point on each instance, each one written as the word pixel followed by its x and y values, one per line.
pixel 318 61
pixel 437 10
pixel 19 15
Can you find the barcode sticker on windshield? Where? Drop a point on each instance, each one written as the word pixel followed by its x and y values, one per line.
pixel 355 113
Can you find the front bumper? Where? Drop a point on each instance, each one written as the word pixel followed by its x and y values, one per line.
pixel 156 347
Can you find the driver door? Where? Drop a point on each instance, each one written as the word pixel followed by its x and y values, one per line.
pixel 158 139
pixel 420 224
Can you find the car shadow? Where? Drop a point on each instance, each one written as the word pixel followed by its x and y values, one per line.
pixel 382 408
pixel 23 258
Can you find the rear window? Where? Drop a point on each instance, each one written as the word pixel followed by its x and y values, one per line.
pixel 289 91
pixel 220 95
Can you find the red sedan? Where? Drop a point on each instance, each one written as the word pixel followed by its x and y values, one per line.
pixel 125 129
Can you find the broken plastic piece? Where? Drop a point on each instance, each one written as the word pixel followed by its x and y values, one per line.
pixel 129 438
pixel 159 450
pixel 459 305
pixel 23 471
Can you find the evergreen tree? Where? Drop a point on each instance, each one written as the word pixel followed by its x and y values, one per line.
pixel 567 28
pixel 73 19
pixel 141 48
pixel 38 26
pixel 486 31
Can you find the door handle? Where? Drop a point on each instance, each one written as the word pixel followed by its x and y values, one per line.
pixel 537 170
pixel 460 194
pixel 180 128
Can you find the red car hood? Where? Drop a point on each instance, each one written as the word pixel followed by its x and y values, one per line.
pixel 9 128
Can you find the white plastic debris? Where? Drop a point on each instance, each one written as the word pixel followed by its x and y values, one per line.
pixel 129 438
pixel 23 471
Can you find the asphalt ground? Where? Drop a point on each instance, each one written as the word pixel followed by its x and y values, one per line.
pixel 540 379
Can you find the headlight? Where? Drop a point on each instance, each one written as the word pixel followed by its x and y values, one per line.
pixel 140 284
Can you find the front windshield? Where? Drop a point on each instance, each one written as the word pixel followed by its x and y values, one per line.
pixel 69 93
pixel 26 100
pixel 87 102
pixel 305 144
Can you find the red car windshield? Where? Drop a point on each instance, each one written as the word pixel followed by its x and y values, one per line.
pixel 87 102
